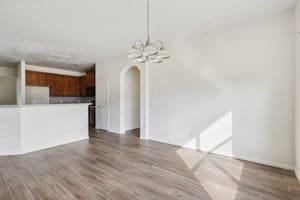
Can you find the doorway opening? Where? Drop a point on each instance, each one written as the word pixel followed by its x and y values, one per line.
pixel 132 101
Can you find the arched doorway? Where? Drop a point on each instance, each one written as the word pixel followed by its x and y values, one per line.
pixel 132 101
pixel 142 99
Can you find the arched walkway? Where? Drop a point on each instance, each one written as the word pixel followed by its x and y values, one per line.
pixel 142 100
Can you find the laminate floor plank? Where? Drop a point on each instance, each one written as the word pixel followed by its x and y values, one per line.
pixel 116 167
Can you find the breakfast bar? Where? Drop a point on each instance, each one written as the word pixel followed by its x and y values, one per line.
pixel 27 128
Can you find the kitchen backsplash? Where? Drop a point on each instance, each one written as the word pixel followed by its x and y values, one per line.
pixel 58 100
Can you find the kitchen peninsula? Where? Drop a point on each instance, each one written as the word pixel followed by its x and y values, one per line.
pixel 30 122
pixel 27 128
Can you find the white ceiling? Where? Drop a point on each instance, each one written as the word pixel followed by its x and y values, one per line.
pixel 74 34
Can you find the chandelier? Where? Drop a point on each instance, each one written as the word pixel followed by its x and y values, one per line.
pixel 150 52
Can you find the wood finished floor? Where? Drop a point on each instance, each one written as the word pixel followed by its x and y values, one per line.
pixel 110 166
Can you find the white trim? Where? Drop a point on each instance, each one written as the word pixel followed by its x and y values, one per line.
pixel 242 157
pixel 114 131
pixel 54 71
pixel 136 126
pixel 264 162
pixel 297 172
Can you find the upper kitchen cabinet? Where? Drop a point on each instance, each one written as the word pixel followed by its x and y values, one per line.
pixel 90 79
pixel 32 78
pixel 38 78
pixel 83 86
pixel 73 86
pixel 62 85
pixel 57 86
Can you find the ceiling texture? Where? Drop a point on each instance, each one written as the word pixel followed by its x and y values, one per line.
pixel 75 34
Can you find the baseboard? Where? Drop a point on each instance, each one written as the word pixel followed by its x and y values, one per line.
pixel 132 128
pixel 297 172
pixel 242 157
pixel 26 151
pixel 264 162
pixel 115 131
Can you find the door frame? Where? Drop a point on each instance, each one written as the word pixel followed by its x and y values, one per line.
pixel 143 99
pixel 107 100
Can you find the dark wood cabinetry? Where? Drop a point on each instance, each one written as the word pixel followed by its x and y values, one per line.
pixel 57 86
pixel 72 86
pixel 83 86
pixel 61 85
pixel 92 115
pixel 90 79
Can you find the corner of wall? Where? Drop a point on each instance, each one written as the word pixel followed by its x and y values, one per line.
pixel 116 131
pixel 297 172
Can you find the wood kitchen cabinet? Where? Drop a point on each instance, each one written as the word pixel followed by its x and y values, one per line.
pixel 83 86
pixel 32 78
pixel 90 79
pixel 61 85
pixel 92 114
pixel 73 86
pixel 45 79
pixel 57 86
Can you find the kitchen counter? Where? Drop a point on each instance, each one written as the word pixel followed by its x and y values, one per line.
pixel 27 128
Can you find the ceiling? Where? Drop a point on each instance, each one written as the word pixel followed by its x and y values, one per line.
pixel 75 34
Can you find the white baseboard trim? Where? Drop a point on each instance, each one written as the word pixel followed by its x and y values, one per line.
pixel 115 131
pixel 132 128
pixel 264 162
pixel 242 157
pixel 297 172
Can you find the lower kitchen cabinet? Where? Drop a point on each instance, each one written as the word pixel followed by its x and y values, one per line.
pixel 92 116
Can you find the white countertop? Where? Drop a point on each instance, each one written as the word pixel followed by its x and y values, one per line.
pixel 45 105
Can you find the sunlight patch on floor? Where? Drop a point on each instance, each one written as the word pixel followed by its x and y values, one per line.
pixel 217 138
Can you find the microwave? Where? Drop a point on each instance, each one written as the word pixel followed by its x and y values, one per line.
pixel 90 91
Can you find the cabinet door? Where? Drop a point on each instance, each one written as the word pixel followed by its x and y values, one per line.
pixel 90 79
pixel 83 86
pixel 32 78
pixel 57 87
pixel 73 86
pixel 93 78
pixel 45 79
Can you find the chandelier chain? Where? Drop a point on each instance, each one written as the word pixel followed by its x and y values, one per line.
pixel 148 19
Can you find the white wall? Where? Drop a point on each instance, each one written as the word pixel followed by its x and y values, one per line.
pixel 10 72
pixel 8 90
pixel 115 69
pixel 297 90
pixel 132 99
pixel 229 91
pixel 10 130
